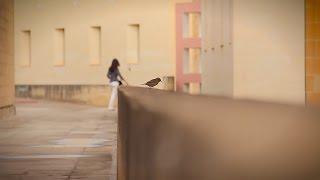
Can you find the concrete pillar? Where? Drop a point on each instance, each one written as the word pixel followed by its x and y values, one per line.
pixel 217 61
pixel 6 59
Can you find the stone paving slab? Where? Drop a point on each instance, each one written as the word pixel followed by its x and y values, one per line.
pixel 51 140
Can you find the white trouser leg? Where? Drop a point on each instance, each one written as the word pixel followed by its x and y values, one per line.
pixel 114 92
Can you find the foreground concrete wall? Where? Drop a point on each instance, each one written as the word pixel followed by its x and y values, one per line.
pixel 6 58
pixel 168 136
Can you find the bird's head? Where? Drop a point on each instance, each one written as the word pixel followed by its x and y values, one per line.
pixel 159 80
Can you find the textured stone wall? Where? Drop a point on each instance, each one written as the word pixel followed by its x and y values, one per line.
pixel 97 95
pixel 6 58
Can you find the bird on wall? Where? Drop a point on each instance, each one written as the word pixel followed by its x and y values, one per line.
pixel 153 82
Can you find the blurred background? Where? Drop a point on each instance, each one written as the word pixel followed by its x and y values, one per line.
pixel 58 51
pixel 265 50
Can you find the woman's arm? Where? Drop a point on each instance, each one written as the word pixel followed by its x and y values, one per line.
pixel 121 77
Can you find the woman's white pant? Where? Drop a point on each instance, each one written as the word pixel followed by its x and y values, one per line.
pixel 114 93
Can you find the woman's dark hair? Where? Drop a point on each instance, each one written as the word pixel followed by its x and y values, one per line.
pixel 114 66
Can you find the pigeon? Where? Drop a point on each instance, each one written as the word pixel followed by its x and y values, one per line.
pixel 153 82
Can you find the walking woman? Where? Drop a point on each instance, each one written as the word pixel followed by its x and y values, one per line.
pixel 114 75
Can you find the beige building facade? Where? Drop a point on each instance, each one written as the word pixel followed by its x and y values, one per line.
pixel 255 49
pixel 250 49
pixel 64 47
pixel 6 59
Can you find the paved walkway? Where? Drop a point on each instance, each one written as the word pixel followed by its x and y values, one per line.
pixel 49 140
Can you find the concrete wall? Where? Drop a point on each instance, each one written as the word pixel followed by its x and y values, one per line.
pixel 170 136
pixel 67 43
pixel 217 61
pixel 6 58
pixel 269 50
pixel 267 58
pixel 97 95
pixel 77 17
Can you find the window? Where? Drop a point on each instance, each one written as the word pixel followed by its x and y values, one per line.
pixel 192 25
pixel 192 88
pixel 133 44
pixel 95 45
pixel 59 47
pixel 191 61
pixel 25 54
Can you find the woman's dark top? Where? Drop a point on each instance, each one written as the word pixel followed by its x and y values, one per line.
pixel 113 76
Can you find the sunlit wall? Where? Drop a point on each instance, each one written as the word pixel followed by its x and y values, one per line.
pixel 74 41
pixel 6 58
pixel 265 57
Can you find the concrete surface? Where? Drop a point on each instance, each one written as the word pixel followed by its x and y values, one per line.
pixel 173 136
pixel 50 140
